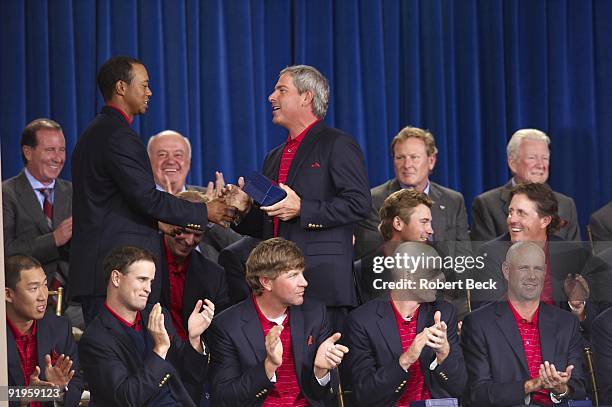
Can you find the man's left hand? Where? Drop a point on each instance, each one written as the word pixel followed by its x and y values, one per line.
pixel 329 355
pixel 553 380
pixel 286 209
pixel 199 321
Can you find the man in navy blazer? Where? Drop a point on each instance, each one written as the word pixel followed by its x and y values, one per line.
pixel 275 345
pixel 130 353
pixel 323 172
pixel 115 201
pixel 405 347
pixel 29 327
pixel 520 350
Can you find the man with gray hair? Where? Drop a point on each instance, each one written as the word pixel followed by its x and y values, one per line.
pixel 529 159
pixel 322 170
pixel 170 156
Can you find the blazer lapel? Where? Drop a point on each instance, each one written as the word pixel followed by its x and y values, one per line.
pixel 304 150
pixel 388 327
pixel 507 325
pixel 438 210
pixel 424 320
pixel 43 341
pixel 61 203
pixel 252 330
pixel 14 362
pixel 120 336
pixel 547 328
pixel 30 203
pixel 296 322
pixel 504 196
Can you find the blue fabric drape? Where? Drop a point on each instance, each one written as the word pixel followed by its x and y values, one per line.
pixel 471 71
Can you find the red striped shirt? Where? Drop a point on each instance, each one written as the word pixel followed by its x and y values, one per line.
pixel 286 391
pixel 547 290
pixel 530 335
pixel 28 352
pixel 176 275
pixel 291 147
pixel 415 389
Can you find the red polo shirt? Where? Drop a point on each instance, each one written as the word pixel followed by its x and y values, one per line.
pixel 547 290
pixel 291 147
pixel 530 335
pixel 286 392
pixel 28 352
pixel 135 325
pixel 125 116
pixel 415 389
pixel 176 274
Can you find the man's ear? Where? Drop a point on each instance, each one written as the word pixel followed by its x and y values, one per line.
pixel 115 277
pixel 505 269
pixel 307 98
pixel 398 224
pixel 120 87
pixel 8 294
pixel 266 283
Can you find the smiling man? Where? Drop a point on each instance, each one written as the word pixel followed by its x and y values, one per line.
pixel 520 350
pixel 275 347
pixel 130 353
pixel 529 161
pixel 37 205
pixel 322 169
pixel 116 201
pixel 41 350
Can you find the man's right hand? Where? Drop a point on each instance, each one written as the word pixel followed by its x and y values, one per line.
pixel 274 351
pixel 237 198
pixel 63 233
pixel 157 330
pixel 219 212
pixel 414 351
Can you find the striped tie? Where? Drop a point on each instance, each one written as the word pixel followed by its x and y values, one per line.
pixel 47 206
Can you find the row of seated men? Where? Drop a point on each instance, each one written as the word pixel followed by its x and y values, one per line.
pixel 276 347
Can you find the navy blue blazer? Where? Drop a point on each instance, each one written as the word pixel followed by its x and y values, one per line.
pixel 375 347
pixel 328 174
pixel 118 376
pixel 116 203
pixel 53 337
pixel 601 338
pixel 495 358
pixel 238 353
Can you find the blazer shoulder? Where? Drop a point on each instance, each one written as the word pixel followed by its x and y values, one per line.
pixel 365 311
pixel 564 199
pixel 448 193
pixel 489 195
pixel 206 265
pixel 230 315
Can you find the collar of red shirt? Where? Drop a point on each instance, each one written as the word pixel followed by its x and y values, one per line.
pixel 263 319
pixel 17 333
pixel 400 318
pixel 125 116
pixel 519 319
pixel 135 325
pixel 301 136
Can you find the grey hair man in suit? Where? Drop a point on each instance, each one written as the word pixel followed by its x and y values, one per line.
pixel 37 207
pixel 529 160
pixel 170 156
pixel 414 154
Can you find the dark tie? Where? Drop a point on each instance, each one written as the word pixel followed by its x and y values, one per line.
pixel 47 207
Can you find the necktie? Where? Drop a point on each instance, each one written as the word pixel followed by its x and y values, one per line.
pixel 47 207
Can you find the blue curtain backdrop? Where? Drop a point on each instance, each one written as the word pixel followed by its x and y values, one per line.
pixel 470 71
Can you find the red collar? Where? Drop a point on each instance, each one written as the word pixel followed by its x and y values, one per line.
pixel 125 116
pixel 301 136
pixel 519 319
pixel 134 325
pixel 400 318
pixel 16 333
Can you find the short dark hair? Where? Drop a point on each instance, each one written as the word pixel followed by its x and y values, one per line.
pixel 400 203
pixel 270 259
pixel 28 136
pixel 118 68
pixel 13 266
pixel 122 258
pixel 546 202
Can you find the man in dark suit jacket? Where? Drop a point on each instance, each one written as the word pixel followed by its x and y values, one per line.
pixel 602 355
pixel 389 357
pixel 528 159
pixel 233 260
pixel 522 350
pixel 600 225
pixel 29 326
pixel 414 154
pixel 170 156
pixel 27 230
pixel 115 201
pixel 323 172
pixel 130 354
pixel 276 345
pixel 187 276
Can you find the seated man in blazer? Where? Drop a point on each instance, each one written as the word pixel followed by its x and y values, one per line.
pixel 529 160
pixel 41 350
pixel 130 354
pixel 520 350
pixel 187 276
pixel 405 347
pixel 414 155
pixel 274 347
pixel 601 340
